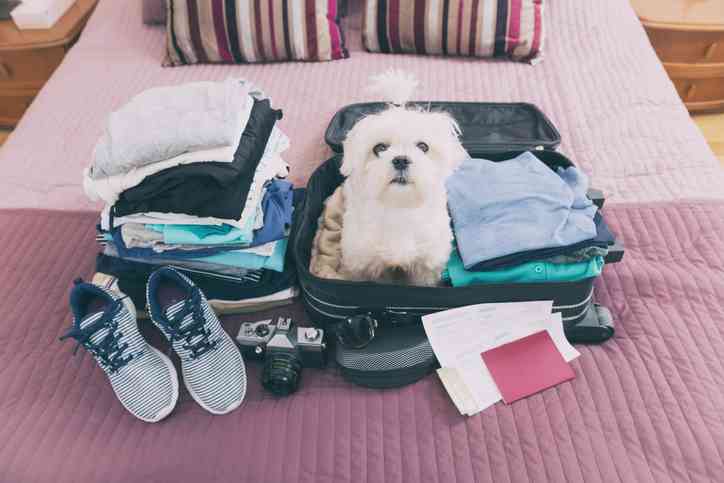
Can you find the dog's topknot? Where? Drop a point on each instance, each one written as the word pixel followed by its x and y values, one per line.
pixel 395 86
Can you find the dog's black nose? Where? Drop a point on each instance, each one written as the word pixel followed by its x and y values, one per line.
pixel 400 162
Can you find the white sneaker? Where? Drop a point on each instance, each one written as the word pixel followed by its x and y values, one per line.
pixel 143 379
pixel 212 366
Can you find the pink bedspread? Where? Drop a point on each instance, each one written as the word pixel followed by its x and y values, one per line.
pixel 645 406
pixel 600 83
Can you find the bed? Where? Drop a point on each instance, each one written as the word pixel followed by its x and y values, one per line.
pixel 645 406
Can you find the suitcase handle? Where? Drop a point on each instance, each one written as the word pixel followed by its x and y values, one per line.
pixel 596 196
pixel 615 252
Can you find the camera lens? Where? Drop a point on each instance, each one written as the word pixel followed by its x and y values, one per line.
pixel 281 373
pixel 262 330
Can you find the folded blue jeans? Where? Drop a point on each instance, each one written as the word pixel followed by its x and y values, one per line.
pixel 230 258
pixel 133 276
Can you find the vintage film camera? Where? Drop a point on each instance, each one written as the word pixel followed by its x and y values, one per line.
pixel 285 349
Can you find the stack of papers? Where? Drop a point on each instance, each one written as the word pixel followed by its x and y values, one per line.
pixel 507 351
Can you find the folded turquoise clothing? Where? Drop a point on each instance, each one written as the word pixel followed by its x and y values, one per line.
pixel 242 259
pixel 277 208
pixel 211 234
pixel 530 272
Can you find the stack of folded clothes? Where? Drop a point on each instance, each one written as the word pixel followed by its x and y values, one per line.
pixel 192 176
pixel 530 224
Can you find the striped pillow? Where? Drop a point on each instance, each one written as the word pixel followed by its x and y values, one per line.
pixel 235 31
pixel 481 28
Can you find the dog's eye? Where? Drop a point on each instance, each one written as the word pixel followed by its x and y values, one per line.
pixel 423 147
pixel 379 148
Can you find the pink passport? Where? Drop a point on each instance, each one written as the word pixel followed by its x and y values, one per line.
pixel 527 366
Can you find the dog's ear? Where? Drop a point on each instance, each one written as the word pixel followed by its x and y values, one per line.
pixel 454 150
pixel 346 168
pixel 353 156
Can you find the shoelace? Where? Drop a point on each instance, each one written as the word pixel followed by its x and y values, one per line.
pixel 197 327
pixel 107 350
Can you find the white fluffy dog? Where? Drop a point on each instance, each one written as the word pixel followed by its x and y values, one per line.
pixel 396 225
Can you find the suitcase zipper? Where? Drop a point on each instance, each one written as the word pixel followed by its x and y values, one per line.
pixel 577 316
pixel 311 298
pixel 573 306
pixel 252 276
pixel 356 307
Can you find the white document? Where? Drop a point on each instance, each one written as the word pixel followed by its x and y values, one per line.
pixel 457 331
pixel 459 336
pixel 458 390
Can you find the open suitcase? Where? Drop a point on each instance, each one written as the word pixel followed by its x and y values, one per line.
pixel 495 131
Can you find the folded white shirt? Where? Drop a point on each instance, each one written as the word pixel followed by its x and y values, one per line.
pixel 269 167
pixel 110 188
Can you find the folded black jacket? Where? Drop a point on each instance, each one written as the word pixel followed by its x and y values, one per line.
pixel 207 189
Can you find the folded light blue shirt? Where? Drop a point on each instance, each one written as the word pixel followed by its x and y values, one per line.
pixel 507 207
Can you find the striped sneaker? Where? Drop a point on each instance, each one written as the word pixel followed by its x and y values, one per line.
pixel 212 367
pixel 104 322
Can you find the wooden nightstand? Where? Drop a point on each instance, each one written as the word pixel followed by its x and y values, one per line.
pixel 29 57
pixel 688 36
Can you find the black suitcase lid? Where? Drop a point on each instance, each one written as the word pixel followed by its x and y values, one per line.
pixel 486 126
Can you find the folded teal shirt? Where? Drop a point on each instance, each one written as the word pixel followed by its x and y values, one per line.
pixel 251 261
pixel 277 206
pixel 531 272
pixel 206 234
